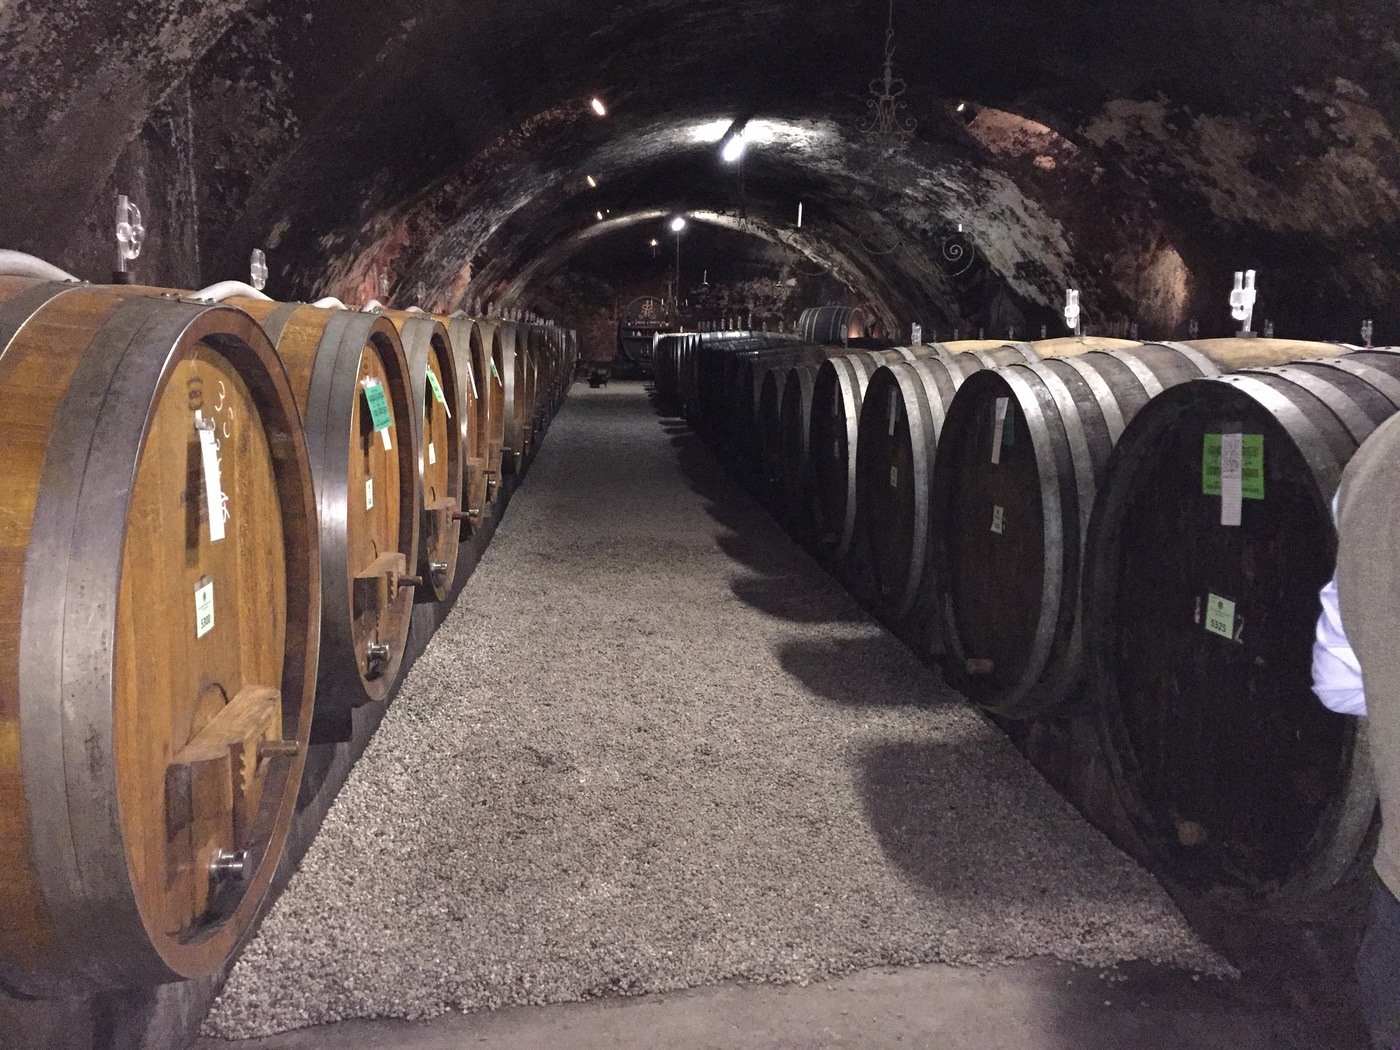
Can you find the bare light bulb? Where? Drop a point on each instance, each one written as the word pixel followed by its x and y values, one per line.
pixel 598 107
pixel 592 181
pixel 677 224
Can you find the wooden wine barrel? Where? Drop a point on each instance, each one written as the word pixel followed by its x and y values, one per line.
pixel 157 664
pixel 837 394
pixel 832 325
pixel 746 394
pixel 473 421
pixel 795 423
pixel 900 419
pixel 367 494
pixel 437 391
pixel 1199 635
pixel 494 401
pixel 1010 506
pixel 515 383
pixel 770 432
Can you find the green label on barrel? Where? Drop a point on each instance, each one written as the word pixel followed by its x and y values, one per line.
pixel 378 404
pixel 437 389
pixel 1251 466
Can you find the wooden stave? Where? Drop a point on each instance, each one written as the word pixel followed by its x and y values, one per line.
pixel 1345 827
pixel 421 334
pixel 493 350
pixel 99 932
pixel 326 394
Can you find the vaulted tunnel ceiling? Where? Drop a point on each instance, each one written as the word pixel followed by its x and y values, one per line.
pixel 1141 151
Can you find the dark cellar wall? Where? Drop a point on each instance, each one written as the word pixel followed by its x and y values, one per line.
pixel 1141 152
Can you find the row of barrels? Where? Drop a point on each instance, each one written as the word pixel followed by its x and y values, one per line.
pixel 1133 533
pixel 214 522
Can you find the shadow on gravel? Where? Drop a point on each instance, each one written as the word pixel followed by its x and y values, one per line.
pixel 798 598
pixel 874 671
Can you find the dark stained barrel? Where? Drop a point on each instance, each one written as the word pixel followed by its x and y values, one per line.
pixel 795 424
pixel 770 432
pixel 1199 634
pixel 437 390
pixel 159 615
pixel 745 425
pixel 1014 480
pixel 893 467
pixel 352 385
pixel 833 325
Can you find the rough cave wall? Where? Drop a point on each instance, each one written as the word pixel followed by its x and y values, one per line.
pixel 1138 152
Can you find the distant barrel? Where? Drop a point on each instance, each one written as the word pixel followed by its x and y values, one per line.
pixel 159 610
pixel 833 325
pixel 795 423
pixel 472 417
pixel 1209 540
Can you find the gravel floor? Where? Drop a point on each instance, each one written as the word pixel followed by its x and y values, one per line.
pixel 655 747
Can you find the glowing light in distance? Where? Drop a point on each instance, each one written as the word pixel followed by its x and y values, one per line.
pixel 592 181
pixel 600 216
pixel 677 224
pixel 654 242
pixel 598 107
pixel 734 147
pixel 962 106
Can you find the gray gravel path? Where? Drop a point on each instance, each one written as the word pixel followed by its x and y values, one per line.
pixel 655 747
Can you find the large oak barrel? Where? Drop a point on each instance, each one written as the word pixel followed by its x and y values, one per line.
pixel 837 395
pixel 494 401
pixel 473 417
pixel 900 421
pixel 1199 634
pixel 832 325
pixel 352 385
pixel 437 391
pixel 745 417
pixel 515 392
pixel 159 609
pixel 1014 480
pixel 795 423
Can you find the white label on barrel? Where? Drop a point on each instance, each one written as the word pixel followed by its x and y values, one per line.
pixel 369 494
pixel 203 607
pixel 432 454
pixel 998 520
pixel 894 477
pixel 894 410
pixel 472 376
pixel 213 480
pixel 1231 478
pixel 1220 616
pixel 998 427
pixel 388 444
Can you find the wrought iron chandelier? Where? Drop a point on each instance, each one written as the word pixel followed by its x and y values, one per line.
pixel 886 129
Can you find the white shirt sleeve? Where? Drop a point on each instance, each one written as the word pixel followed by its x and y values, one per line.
pixel 1336 671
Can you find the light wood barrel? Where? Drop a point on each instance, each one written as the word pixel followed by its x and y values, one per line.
pixel 1011 505
pixel 493 355
pixel 156 677
pixel 368 496
pixel 515 388
pixel 473 379
pixel 1199 634
pixel 437 390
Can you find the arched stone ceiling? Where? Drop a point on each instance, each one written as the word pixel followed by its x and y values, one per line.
pixel 1140 150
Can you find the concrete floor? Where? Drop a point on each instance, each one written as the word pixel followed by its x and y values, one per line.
pixel 335 949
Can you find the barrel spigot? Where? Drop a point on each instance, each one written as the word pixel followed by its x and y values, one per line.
pixel 376 658
pixel 229 866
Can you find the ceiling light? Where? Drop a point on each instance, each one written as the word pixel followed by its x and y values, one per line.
pixel 655 242
pixel 600 216
pixel 592 181
pixel 962 106
pixel 732 146
pixel 598 107
pixel 677 224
